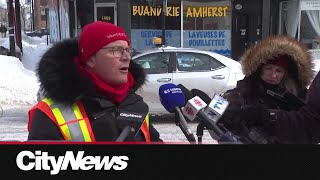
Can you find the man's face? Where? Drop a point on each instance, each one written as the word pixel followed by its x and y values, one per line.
pixel 111 63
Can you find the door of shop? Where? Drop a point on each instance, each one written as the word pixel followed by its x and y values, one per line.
pixel 246 25
pixel 105 12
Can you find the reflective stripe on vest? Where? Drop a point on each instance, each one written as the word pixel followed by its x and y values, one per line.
pixel 67 117
pixel 145 128
pixel 71 121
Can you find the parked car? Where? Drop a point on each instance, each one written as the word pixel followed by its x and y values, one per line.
pixel 39 33
pixel 207 71
pixel 204 70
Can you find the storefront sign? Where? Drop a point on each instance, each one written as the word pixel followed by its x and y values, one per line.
pixel 310 4
pixel 206 11
pixel 210 40
pixel 154 11
pixel 214 11
pixel 142 39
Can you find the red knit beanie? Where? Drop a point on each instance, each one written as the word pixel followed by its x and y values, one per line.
pixel 282 61
pixel 96 35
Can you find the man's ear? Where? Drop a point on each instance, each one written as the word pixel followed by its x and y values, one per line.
pixel 91 62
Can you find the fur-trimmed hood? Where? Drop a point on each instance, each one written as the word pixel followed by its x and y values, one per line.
pixel 60 79
pixel 301 68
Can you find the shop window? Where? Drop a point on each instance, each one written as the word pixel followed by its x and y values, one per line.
pixel 207 25
pixel 146 23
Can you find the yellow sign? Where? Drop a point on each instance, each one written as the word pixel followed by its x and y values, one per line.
pixel 211 11
pixel 206 11
pixel 154 11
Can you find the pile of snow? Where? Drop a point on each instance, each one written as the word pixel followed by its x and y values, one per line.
pixel 32 48
pixel 18 86
pixel 18 80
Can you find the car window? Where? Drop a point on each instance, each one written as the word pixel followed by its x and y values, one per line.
pixel 156 63
pixel 189 61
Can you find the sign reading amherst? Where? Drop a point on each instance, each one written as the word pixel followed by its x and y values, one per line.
pixel 211 11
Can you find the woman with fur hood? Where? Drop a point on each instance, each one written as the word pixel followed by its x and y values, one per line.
pixel 89 87
pixel 275 68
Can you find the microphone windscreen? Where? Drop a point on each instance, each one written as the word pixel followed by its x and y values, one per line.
pixel 171 96
pixel 202 95
pixel 187 93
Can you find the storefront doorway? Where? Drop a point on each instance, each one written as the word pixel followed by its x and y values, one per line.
pixel 105 12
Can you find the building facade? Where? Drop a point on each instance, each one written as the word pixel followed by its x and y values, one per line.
pixel 224 26
pixel 4 16
pixel 40 8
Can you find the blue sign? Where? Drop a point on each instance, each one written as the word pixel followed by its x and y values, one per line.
pixel 211 40
pixel 142 39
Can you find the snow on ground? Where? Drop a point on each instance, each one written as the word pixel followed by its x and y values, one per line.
pixel 18 81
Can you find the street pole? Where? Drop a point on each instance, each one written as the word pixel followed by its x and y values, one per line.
pixel 32 15
pixel 46 11
pixel 164 12
pixel 18 24
pixel 11 28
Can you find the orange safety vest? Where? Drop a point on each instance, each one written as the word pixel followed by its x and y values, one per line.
pixel 73 121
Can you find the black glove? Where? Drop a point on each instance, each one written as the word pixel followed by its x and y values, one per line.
pixel 256 115
pixel 248 123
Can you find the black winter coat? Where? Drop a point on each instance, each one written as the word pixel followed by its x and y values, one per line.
pixel 61 81
pixel 252 91
pixel 301 126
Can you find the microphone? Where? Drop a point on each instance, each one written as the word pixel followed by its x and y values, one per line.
pixel 276 96
pixel 291 100
pixel 187 94
pixel 172 98
pixel 294 100
pixel 216 108
pixel 130 123
pixel 194 108
pixel 201 94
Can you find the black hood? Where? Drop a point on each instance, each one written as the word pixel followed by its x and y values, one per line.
pixel 301 60
pixel 60 79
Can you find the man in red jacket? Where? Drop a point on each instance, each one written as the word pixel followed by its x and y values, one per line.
pixel 89 88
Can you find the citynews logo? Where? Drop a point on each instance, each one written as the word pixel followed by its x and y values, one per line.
pixel 130 115
pixel 27 160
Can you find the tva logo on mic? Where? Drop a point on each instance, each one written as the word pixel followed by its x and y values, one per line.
pixel 216 108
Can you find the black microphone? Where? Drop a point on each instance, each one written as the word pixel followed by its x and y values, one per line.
pixel 130 123
pixel 201 94
pixel 194 108
pixel 294 100
pixel 289 99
